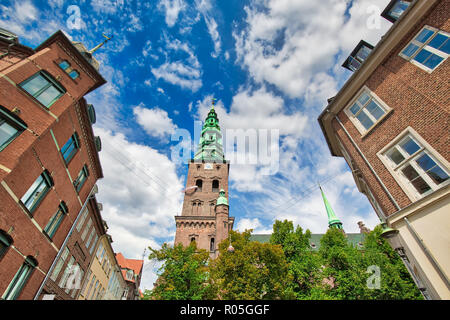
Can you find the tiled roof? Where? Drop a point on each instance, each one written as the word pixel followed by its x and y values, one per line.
pixel 133 264
pixel 354 238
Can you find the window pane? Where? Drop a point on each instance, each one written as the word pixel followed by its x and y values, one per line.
pixel 424 35
pixel 54 223
pixel 417 181
pixel 395 156
pixel 363 98
pixel 375 110
pixel 35 84
pixel 59 265
pixel 34 194
pixel 355 108
pixel 363 53
pixel 74 74
pixel 6 132
pixel 18 282
pixel 425 162
pixel 365 120
pixel 433 61
pixel 48 96
pixel 445 47
pixel 64 65
pixel 410 50
pixel 422 56
pixel 409 146
pixel 398 9
pixel 68 150
pixel 438 175
pixel 438 41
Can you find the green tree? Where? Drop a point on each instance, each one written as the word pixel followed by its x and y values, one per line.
pixel 184 274
pixel 253 271
pixel 374 272
pixel 304 264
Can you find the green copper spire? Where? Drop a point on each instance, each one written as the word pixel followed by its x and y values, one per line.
pixel 222 199
pixel 210 147
pixel 333 221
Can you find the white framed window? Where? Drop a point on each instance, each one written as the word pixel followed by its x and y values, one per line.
pixel 366 110
pixel 415 165
pixel 429 48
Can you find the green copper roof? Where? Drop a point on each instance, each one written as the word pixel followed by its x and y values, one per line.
pixel 210 146
pixel 333 221
pixel 222 198
pixel 355 239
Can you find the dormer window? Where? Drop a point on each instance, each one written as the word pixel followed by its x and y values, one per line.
pixel 130 274
pixel 428 49
pixel 358 56
pixel 395 9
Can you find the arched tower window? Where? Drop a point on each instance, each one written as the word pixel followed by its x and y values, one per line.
pixel 212 246
pixel 192 239
pixel 215 186
pixel 199 184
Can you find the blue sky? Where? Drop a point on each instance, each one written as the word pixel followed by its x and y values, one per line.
pixel 271 65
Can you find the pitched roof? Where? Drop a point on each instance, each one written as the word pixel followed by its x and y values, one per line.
pixel 353 238
pixel 133 264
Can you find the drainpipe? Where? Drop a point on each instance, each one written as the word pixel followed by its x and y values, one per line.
pixel 369 165
pixel 427 252
pixel 90 196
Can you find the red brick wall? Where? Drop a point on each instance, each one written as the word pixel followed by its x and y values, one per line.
pixel 419 99
pixel 35 148
pixel 212 224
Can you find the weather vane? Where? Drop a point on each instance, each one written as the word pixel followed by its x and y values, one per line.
pixel 214 101
pixel 101 44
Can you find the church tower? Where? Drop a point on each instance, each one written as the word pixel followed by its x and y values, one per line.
pixel 205 214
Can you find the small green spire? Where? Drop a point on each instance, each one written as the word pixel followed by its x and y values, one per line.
pixel 222 199
pixel 333 221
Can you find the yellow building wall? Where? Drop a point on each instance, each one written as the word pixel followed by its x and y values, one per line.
pixel 432 225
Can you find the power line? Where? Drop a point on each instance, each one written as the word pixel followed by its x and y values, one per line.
pixel 140 177
pixel 305 193
pixel 122 153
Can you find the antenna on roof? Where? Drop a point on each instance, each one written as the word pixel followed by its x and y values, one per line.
pixel 143 254
pixel 101 44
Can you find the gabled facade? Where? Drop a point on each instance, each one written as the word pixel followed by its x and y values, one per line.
pixel 132 273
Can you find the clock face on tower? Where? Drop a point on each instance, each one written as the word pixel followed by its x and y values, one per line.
pixel 208 166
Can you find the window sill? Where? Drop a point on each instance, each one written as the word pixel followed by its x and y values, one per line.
pixel 376 124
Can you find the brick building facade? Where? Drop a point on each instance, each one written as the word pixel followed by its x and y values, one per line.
pixel 49 164
pixel 390 122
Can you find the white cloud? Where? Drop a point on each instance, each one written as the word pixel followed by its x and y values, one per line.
pixel 155 121
pixel 186 72
pixel 292 44
pixel 140 193
pixel 172 9
pixel 205 7
pixel 255 224
pixel 107 6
